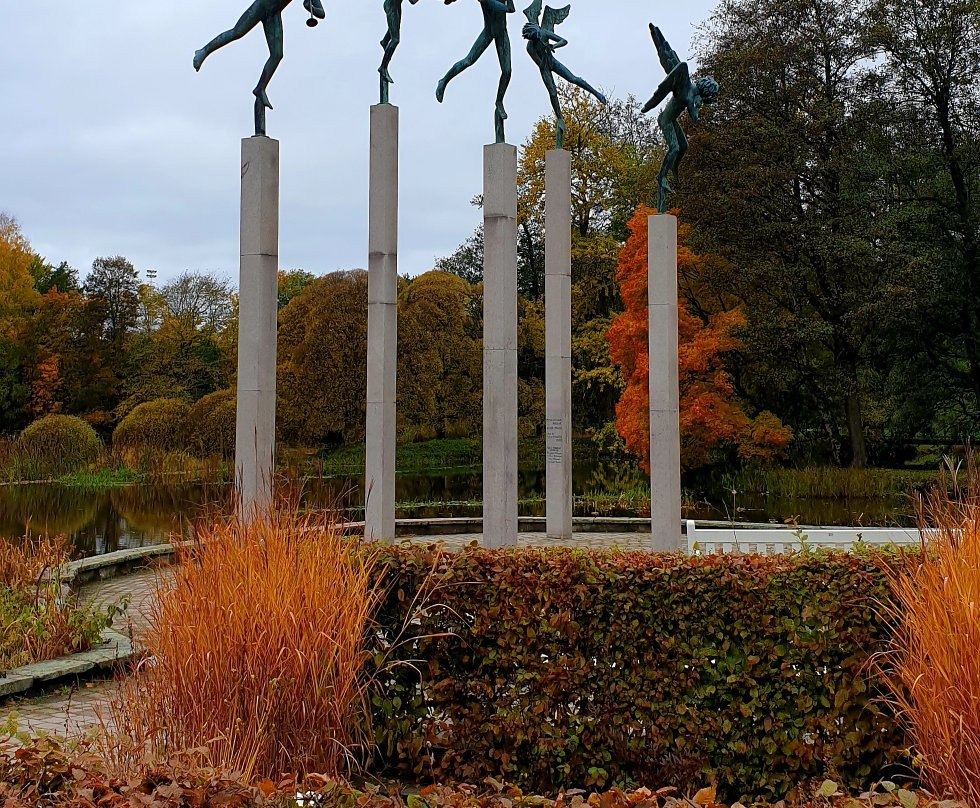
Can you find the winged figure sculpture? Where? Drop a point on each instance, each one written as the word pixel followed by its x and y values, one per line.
pixel 542 42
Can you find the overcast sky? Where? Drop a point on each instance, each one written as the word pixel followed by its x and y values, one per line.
pixel 113 145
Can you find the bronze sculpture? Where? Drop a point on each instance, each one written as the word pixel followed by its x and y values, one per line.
pixel 269 13
pixel 685 94
pixel 542 42
pixel 393 11
pixel 494 32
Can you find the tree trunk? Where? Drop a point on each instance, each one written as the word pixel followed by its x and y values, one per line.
pixel 855 429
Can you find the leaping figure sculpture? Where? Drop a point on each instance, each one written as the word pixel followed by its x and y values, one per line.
pixel 685 94
pixel 269 13
pixel 393 11
pixel 494 32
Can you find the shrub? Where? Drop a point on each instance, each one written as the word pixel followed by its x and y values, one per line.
pixel 209 428
pixel 57 444
pixel 936 674
pixel 257 646
pixel 562 668
pixel 155 426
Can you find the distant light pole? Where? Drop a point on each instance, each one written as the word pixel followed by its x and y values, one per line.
pixel 151 275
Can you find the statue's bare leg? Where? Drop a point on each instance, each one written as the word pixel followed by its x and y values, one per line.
pixel 248 20
pixel 549 83
pixel 578 81
pixel 503 56
pixel 682 146
pixel 482 43
pixel 669 128
pixel 391 41
pixel 273 36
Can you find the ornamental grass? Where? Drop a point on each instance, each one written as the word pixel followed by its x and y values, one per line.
pixel 935 673
pixel 38 621
pixel 255 648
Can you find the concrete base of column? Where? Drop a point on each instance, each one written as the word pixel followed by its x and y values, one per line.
pixel 665 439
pixel 255 438
pixel 500 346
pixel 558 343
pixel 382 361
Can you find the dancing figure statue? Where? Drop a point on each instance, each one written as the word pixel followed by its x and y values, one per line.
pixel 494 32
pixel 393 11
pixel 542 42
pixel 269 13
pixel 684 94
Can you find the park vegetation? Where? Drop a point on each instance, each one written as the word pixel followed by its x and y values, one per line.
pixel 38 621
pixel 829 274
pixel 286 652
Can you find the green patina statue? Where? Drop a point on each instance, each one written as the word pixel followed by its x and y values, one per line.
pixel 685 94
pixel 269 13
pixel 542 42
pixel 393 11
pixel 494 32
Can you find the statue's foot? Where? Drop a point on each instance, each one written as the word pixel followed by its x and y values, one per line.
pixel 315 9
pixel 262 98
pixel 199 57
pixel 441 90
pixel 385 75
pixel 501 112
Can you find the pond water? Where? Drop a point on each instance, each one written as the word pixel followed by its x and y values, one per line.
pixel 106 520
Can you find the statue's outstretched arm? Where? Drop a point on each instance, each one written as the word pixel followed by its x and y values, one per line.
pixel 676 81
pixel 497 5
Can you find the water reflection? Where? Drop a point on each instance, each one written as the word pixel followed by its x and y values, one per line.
pixel 104 521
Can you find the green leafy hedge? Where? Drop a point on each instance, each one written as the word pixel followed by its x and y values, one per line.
pixel 562 668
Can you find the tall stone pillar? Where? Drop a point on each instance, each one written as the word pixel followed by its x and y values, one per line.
pixel 665 436
pixel 558 342
pixel 500 345
pixel 382 325
pixel 255 436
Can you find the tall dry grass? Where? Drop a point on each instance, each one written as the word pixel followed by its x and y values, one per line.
pixel 38 621
pixel 256 650
pixel 935 665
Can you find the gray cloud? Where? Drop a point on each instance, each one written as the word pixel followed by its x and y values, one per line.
pixel 114 145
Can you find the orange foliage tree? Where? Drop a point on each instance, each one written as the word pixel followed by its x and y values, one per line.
pixel 712 417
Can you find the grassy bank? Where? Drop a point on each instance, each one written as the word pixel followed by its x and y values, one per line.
pixel 831 483
pixel 438 455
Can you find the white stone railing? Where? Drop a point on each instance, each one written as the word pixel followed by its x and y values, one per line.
pixel 774 540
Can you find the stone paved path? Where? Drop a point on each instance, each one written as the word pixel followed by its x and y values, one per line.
pixel 72 713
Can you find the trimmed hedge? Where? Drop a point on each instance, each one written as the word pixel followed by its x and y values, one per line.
pixel 156 425
pixel 57 444
pixel 561 668
pixel 209 429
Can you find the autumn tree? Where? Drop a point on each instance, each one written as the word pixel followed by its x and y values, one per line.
pixel 440 357
pixel 712 418
pixel 322 373
pixel 18 298
pixel 931 100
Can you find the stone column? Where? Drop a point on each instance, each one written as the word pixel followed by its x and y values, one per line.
pixel 500 345
pixel 382 358
pixel 665 436
pixel 255 438
pixel 558 342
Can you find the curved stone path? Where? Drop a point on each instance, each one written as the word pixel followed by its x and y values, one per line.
pixel 71 712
